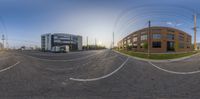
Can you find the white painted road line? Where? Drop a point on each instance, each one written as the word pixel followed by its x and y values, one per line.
pixel 102 77
pixel 2 70
pixel 174 72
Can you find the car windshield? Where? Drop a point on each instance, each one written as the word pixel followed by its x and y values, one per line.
pixel 99 49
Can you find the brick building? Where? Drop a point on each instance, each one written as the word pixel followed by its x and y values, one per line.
pixel 162 39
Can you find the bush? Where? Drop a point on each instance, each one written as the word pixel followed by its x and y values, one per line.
pixel 145 45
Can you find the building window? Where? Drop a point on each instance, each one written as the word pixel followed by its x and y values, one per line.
pixel 143 32
pixel 171 31
pixel 157 36
pixel 124 42
pixel 188 38
pixel 134 39
pixel 134 45
pixel 181 45
pixel 129 44
pixel 144 37
pixel 181 34
pixel 156 44
pixel 170 36
pixel 135 34
pixel 181 38
pixel 129 41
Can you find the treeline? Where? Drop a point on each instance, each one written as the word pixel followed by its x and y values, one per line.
pixel 93 47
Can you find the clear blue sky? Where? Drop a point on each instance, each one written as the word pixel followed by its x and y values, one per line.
pixel 26 20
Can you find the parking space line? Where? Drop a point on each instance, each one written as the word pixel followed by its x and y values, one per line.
pixel 102 77
pixel 2 70
pixel 174 72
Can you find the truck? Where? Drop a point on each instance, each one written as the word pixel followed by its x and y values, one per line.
pixel 67 48
pixel 60 49
pixel 55 49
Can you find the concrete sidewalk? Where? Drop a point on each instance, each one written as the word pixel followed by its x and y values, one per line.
pixel 152 60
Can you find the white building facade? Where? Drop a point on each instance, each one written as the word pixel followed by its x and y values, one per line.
pixel 48 41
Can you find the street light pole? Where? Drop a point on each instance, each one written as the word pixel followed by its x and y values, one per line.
pixel 149 37
pixel 195 31
pixel 113 40
pixel 87 42
pixel 95 44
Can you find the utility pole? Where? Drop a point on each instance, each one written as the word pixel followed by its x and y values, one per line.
pixel 3 38
pixel 113 40
pixel 149 37
pixel 7 45
pixel 195 31
pixel 87 42
pixel 70 47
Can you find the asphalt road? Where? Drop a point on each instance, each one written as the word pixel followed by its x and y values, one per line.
pixel 102 74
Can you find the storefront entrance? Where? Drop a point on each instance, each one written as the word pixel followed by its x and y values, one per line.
pixel 170 46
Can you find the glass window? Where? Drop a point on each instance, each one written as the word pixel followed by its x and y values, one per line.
pixel 181 38
pixel 157 36
pixel 130 44
pixel 188 38
pixel 135 34
pixel 181 45
pixel 129 41
pixel 134 45
pixel 124 42
pixel 171 31
pixel 144 32
pixel 181 34
pixel 170 36
pixel 156 44
pixel 135 39
pixel 144 37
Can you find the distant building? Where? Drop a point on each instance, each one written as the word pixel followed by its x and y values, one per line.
pixel 162 39
pixel 49 41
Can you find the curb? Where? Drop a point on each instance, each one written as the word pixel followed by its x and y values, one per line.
pixel 152 60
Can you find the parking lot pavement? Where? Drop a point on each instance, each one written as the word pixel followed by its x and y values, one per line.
pixel 186 65
pixel 59 56
pixel 41 79
pixel 7 61
pixel 4 55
